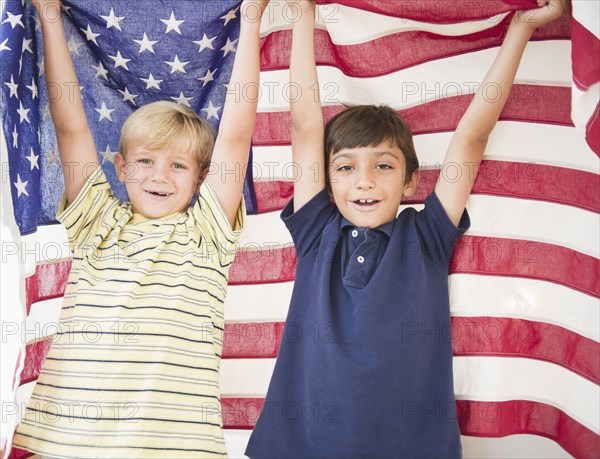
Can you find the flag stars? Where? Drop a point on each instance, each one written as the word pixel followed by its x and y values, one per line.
pixel 208 77
pixel 173 24
pixel 23 113
pixel 182 100
pixel 41 69
pixel 13 19
pixel 108 155
pixel 211 111
pixel 105 112
pixel 90 35
pixel 229 47
pixel 26 46
pixel 127 96
pixel 120 61
pixel 33 159
pixel 15 135
pixel 33 88
pixel 146 44
pixel 151 82
pixel 74 45
pixel 177 65
pixel 46 112
pixel 112 20
pixel 52 158
pixel 4 46
pixel 100 71
pixel 21 186
pixel 13 87
pixel 205 43
pixel 229 16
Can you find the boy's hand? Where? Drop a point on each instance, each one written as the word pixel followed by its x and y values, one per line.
pixel 306 5
pixel 252 10
pixel 547 11
pixel 43 5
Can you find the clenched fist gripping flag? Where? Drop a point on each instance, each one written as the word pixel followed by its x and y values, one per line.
pixel 525 280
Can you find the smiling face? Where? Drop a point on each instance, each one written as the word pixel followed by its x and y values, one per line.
pixel 368 183
pixel 159 182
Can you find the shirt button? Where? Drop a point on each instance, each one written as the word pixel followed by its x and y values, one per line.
pixel 361 259
pixel 354 233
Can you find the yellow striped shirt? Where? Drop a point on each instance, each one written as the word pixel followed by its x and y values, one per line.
pixel 134 368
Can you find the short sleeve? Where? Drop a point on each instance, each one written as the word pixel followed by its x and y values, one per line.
pixel 84 216
pixel 212 219
pixel 306 225
pixel 437 231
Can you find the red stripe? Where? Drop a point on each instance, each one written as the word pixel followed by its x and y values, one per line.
pixel 528 103
pixel 473 255
pixel 499 419
pixel 504 337
pixel 263 266
pixel 478 419
pixel 35 353
pixel 49 281
pixel 16 453
pixel 435 11
pixel 528 259
pixel 489 336
pixel 389 54
pixel 584 55
pixel 496 178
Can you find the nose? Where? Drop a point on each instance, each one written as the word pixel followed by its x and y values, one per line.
pixel 160 173
pixel 365 180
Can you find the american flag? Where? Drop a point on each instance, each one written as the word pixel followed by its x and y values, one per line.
pixel 524 283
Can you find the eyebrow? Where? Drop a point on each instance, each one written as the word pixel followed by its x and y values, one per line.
pixel 375 153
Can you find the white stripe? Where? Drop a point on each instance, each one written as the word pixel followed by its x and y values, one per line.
pixel 536 221
pixel 42 319
pixel 512 218
pixel 264 231
pixel 47 244
pixel 245 377
pixel 584 104
pixel 350 26
pixel 510 141
pixel 456 75
pixel 258 303
pixel 501 379
pixel 587 13
pixel 23 394
pixel 511 447
pixel 518 298
pixel 470 296
pixel 475 378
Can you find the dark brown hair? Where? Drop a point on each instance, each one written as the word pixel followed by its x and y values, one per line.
pixel 369 125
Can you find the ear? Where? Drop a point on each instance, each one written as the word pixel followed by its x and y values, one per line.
pixel 120 167
pixel 411 186
pixel 202 176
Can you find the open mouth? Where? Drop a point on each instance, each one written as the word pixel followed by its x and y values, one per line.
pixel 159 194
pixel 366 203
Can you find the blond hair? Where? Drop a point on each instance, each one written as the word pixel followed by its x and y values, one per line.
pixel 166 125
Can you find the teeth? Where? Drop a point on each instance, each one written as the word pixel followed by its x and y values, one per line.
pixel 366 201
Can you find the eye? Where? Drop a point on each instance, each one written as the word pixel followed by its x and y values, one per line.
pixel 179 166
pixel 384 166
pixel 344 168
pixel 144 161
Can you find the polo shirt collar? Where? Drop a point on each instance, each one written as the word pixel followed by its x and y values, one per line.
pixel 386 228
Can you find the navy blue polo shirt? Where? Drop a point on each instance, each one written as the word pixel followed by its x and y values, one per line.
pixel 365 363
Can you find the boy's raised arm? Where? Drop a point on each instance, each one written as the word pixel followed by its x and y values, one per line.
pixel 307 117
pixel 76 147
pixel 232 145
pixel 472 133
